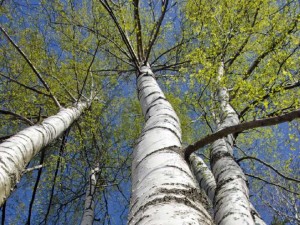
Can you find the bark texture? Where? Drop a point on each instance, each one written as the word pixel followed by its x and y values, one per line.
pixel 204 176
pixel 89 204
pixel 164 190
pixel 207 182
pixel 17 151
pixel 231 202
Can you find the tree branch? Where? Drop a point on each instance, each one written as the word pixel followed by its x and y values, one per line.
pixel 239 128
pixel 18 116
pixel 31 66
pixel 268 182
pixel 155 31
pixel 25 86
pixel 268 165
pixel 35 189
pixel 287 87
pixel 138 27
pixel 33 168
pixel 122 33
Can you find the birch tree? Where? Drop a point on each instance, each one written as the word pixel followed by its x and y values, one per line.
pixel 223 48
pixel 155 62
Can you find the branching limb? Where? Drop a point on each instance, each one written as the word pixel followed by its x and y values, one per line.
pixel 16 115
pixel 266 96
pixel 239 128
pixel 156 29
pixel 268 165
pixel 239 51
pixel 271 183
pixel 124 37
pixel 256 62
pixel 88 71
pixel 64 87
pixel 25 86
pixel 31 66
pixel 138 27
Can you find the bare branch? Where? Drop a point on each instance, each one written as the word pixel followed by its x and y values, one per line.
pixel 287 87
pixel 239 128
pixel 271 183
pixel 138 27
pixel 122 33
pixel 169 50
pixel 268 165
pixel 155 31
pixel 164 67
pixel 25 86
pixel 35 189
pixel 33 168
pixel 31 66
pixel 18 116
pixel 88 71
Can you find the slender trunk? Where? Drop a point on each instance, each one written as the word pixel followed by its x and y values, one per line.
pixel 207 182
pixel 204 176
pixel 231 202
pixel 89 204
pixel 163 188
pixel 17 151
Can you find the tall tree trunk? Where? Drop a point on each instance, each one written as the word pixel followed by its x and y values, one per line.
pixel 164 190
pixel 204 176
pixel 231 202
pixel 89 204
pixel 207 182
pixel 17 151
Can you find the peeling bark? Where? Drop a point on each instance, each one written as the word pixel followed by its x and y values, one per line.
pixel 164 190
pixel 17 151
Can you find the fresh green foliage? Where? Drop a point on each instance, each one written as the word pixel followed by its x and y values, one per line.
pixel 77 48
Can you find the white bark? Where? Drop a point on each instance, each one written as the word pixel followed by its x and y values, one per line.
pixel 163 188
pixel 207 182
pixel 231 203
pixel 89 204
pixel 17 151
pixel 204 176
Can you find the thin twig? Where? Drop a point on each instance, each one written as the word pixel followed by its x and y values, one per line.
pixel 18 116
pixel 268 182
pixel 155 30
pixel 268 165
pixel 31 66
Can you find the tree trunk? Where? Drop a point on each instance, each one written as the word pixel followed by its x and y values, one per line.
pixel 164 190
pixel 231 203
pixel 17 151
pixel 204 176
pixel 89 204
pixel 207 182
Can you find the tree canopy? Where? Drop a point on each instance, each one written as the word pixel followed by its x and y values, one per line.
pixel 56 54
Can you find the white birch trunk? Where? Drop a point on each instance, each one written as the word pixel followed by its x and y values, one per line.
pixel 204 176
pixel 163 188
pixel 17 151
pixel 231 203
pixel 207 182
pixel 89 204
